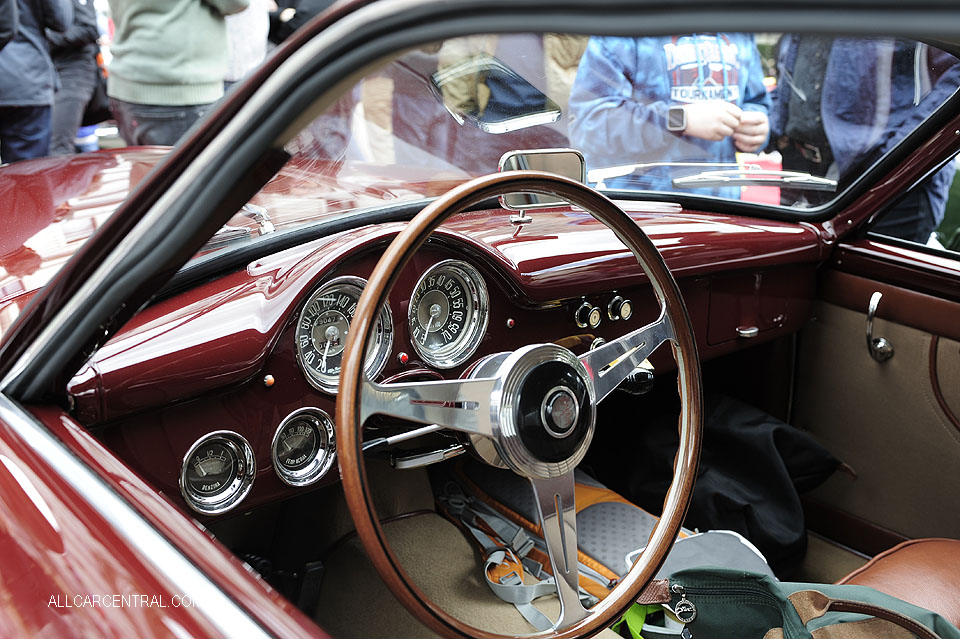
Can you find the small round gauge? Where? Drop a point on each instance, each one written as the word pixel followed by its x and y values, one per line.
pixel 321 333
pixel 304 447
pixel 448 313
pixel 217 472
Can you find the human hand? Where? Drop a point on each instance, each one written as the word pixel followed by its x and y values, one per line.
pixel 752 132
pixel 712 119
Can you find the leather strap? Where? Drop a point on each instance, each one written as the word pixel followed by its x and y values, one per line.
pixel 859 607
pixel 812 604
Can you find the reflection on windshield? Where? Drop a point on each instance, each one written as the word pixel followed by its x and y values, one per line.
pixel 689 98
pixel 778 119
pixel 844 103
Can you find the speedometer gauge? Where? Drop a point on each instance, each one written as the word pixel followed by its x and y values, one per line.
pixel 323 328
pixel 448 313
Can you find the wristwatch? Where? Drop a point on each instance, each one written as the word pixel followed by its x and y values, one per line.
pixel 676 118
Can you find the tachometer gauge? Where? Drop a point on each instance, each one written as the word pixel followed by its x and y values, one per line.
pixel 217 472
pixel 304 447
pixel 448 313
pixel 322 333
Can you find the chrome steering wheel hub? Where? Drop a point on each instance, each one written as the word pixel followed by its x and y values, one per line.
pixel 543 411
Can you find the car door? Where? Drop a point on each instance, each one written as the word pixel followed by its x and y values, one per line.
pixel 891 409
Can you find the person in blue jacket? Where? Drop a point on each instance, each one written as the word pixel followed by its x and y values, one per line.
pixel 28 79
pixel 688 98
pixel 842 103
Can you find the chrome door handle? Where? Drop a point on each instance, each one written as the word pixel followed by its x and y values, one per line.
pixel 880 348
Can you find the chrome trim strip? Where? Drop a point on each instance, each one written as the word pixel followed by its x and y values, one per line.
pixel 220 610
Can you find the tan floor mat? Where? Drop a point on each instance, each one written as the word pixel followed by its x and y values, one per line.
pixel 355 603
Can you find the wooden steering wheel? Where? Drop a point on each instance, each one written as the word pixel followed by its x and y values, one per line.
pixel 543 447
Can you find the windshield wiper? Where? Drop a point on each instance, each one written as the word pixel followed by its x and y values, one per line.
pixel 610 172
pixel 756 177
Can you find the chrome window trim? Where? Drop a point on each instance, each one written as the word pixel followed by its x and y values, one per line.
pixel 153 548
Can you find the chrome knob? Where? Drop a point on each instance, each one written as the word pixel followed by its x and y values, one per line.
pixel 588 315
pixel 620 308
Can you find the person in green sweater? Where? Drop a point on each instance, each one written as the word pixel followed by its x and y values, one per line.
pixel 169 61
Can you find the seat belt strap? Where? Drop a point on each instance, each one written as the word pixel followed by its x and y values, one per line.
pixel 508 548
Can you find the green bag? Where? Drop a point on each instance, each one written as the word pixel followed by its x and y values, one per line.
pixel 718 603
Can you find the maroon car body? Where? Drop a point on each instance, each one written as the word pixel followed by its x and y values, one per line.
pixel 83 492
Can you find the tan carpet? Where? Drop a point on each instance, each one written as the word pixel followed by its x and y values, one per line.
pixel 355 603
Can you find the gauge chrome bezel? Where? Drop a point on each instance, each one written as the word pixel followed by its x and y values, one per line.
pixel 383 341
pixel 326 450
pixel 245 469
pixel 459 350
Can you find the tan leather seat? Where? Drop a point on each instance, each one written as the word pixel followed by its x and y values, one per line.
pixel 924 572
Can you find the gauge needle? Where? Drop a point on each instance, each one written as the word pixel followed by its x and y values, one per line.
pixel 434 314
pixel 331 334
pixel 200 469
pixel 323 362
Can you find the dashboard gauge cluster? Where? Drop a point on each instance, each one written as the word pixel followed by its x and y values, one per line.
pixel 448 313
pixel 322 329
pixel 217 472
pixel 304 447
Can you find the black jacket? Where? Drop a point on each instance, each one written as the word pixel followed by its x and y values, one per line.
pixel 79 41
pixel 293 14
pixel 8 21
pixel 27 76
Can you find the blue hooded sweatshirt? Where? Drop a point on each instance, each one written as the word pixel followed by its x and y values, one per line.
pixel 625 86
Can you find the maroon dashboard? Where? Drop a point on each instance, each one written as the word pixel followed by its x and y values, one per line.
pixel 224 356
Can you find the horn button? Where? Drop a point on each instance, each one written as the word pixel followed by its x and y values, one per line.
pixel 554 411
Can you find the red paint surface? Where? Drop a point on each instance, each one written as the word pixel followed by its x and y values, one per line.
pixel 55 547
pixel 194 363
pixel 82 554
pixel 914 269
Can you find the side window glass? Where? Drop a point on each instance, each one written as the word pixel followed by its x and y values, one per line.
pixel 929 214
pixel 948 232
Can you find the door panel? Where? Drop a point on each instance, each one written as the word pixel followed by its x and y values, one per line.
pixel 884 419
pixel 945 376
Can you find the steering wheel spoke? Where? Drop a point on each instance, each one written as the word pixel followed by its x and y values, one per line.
pixel 611 363
pixel 462 405
pixel 558 519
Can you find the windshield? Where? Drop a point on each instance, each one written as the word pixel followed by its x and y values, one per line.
pixel 779 119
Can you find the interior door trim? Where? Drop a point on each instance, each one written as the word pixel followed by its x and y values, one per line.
pixel 923 312
pixel 935 384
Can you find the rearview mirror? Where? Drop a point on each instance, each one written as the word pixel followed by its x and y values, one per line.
pixel 566 162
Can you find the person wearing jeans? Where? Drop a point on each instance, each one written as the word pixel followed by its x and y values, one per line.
pixel 169 62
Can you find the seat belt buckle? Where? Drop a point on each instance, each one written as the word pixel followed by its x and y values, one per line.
pixel 522 543
pixel 532 566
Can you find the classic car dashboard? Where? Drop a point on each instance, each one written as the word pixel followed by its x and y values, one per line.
pixel 223 397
